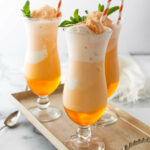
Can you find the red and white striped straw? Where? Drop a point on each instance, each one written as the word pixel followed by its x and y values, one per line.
pixel 104 15
pixel 120 11
pixel 58 8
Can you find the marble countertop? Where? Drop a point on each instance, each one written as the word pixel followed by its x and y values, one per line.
pixel 25 136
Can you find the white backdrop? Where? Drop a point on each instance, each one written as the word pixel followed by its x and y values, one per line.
pixel 135 32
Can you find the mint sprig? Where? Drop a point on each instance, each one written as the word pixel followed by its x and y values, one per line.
pixel 76 15
pixel 111 10
pixel 76 18
pixel 100 8
pixel 26 9
pixel 66 23
pixel 86 11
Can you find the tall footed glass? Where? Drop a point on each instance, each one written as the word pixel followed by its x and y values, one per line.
pixel 42 68
pixel 85 90
pixel 112 74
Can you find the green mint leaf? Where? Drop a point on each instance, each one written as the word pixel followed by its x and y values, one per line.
pixel 26 9
pixel 102 8
pixel 83 18
pixel 65 23
pixel 86 11
pixel 112 10
pixel 76 14
pixel 80 19
pixel 99 7
pixel 68 25
pixel 73 20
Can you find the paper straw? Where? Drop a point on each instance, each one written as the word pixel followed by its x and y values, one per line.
pixel 120 11
pixel 105 11
pixel 58 8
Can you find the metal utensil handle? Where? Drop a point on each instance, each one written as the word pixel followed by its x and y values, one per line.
pixel 1 128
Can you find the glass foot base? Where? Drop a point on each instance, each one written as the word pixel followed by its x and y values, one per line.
pixel 94 143
pixel 108 118
pixel 46 115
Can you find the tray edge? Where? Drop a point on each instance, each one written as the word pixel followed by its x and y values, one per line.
pixel 51 138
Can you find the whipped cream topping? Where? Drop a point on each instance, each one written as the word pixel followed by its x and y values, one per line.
pixel 46 12
pixel 96 15
pixel 81 28
pixel 72 84
pixel 36 56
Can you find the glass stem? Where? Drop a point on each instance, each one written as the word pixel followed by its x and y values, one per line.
pixel 84 133
pixel 43 102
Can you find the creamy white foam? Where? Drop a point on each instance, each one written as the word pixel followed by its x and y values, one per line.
pixel 84 45
pixel 82 29
pixel 34 57
pixel 72 84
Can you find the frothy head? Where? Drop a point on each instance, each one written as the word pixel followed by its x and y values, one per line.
pixel 84 45
pixel 79 28
pixel 46 12
pixel 95 25
pixel 91 25
pixel 96 15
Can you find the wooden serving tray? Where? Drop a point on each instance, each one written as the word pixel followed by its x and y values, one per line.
pixel 127 129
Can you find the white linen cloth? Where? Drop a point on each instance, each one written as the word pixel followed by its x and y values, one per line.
pixel 133 83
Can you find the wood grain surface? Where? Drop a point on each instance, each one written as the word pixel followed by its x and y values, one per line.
pixel 127 128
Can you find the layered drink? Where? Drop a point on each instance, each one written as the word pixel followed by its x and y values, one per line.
pixel 111 60
pixel 111 63
pixel 85 91
pixel 42 68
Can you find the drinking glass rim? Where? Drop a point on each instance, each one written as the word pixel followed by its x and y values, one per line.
pixel 35 20
pixel 114 22
pixel 107 30
pixel 116 27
